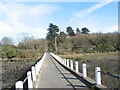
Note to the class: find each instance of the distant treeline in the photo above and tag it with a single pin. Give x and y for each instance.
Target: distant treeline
(28, 47)
(59, 42)
(88, 43)
(80, 42)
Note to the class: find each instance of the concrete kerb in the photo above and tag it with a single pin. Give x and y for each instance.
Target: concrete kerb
(88, 81)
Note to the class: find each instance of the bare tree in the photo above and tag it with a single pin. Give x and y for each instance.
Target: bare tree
(6, 41)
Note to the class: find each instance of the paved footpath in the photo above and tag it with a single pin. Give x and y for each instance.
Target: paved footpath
(53, 75)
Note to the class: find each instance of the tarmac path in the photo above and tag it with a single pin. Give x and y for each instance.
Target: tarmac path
(53, 75)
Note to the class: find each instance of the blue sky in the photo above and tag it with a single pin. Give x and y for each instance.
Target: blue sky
(34, 17)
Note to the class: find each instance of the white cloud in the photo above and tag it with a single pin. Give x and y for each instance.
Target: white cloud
(111, 28)
(5, 27)
(96, 23)
(17, 28)
(11, 23)
(6, 30)
(41, 10)
(16, 10)
(84, 13)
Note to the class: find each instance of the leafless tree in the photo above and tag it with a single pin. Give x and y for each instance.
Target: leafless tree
(6, 41)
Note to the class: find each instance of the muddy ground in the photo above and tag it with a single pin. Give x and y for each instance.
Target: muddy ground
(12, 70)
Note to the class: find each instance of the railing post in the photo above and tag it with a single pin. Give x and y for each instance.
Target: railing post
(30, 85)
(84, 70)
(36, 69)
(19, 85)
(40, 64)
(67, 62)
(42, 60)
(76, 66)
(98, 75)
(33, 73)
(71, 64)
(62, 61)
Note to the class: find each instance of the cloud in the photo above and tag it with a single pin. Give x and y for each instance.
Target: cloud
(5, 27)
(84, 13)
(42, 10)
(17, 28)
(15, 17)
(16, 10)
(111, 28)
(97, 23)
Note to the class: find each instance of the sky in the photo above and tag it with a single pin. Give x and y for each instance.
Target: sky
(34, 18)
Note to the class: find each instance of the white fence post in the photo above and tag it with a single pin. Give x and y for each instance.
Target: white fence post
(36, 69)
(67, 62)
(30, 85)
(98, 75)
(19, 85)
(40, 64)
(33, 73)
(62, 61)
(76, 66)
(71, 64)
(84, 70)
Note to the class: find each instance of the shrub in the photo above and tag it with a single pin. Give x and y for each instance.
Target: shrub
(10, 53)
(89, 51)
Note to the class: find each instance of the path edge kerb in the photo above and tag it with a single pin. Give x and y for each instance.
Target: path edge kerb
(88, 81)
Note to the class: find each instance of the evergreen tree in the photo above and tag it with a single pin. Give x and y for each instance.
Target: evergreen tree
(51, 36)
(85, 30)
(70, 31)
(77, 30)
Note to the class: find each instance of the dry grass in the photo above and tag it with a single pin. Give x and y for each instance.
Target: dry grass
(107, 61)
(71, 56)
(92, 56)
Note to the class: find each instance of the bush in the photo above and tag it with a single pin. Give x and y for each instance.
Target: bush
(106, 48)
(31, 54)
(89, 51)
(10, 53)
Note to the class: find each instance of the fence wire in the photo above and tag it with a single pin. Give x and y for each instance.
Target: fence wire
(25, 80)
(106, 73)
(110, 74)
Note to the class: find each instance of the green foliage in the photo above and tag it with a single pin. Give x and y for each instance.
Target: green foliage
(105, 48)
(85, 30)
(62, 35)
(89, 51)
(11, 53)
(70, 31)
(90, 43)
(52, 33)
(78, 30)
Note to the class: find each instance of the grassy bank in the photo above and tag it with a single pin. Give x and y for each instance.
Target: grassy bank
(107, 61)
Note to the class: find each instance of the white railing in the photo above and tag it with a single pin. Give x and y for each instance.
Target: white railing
(31, 75)
(65, 62)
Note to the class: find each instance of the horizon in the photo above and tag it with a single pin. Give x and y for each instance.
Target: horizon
(34, 17)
